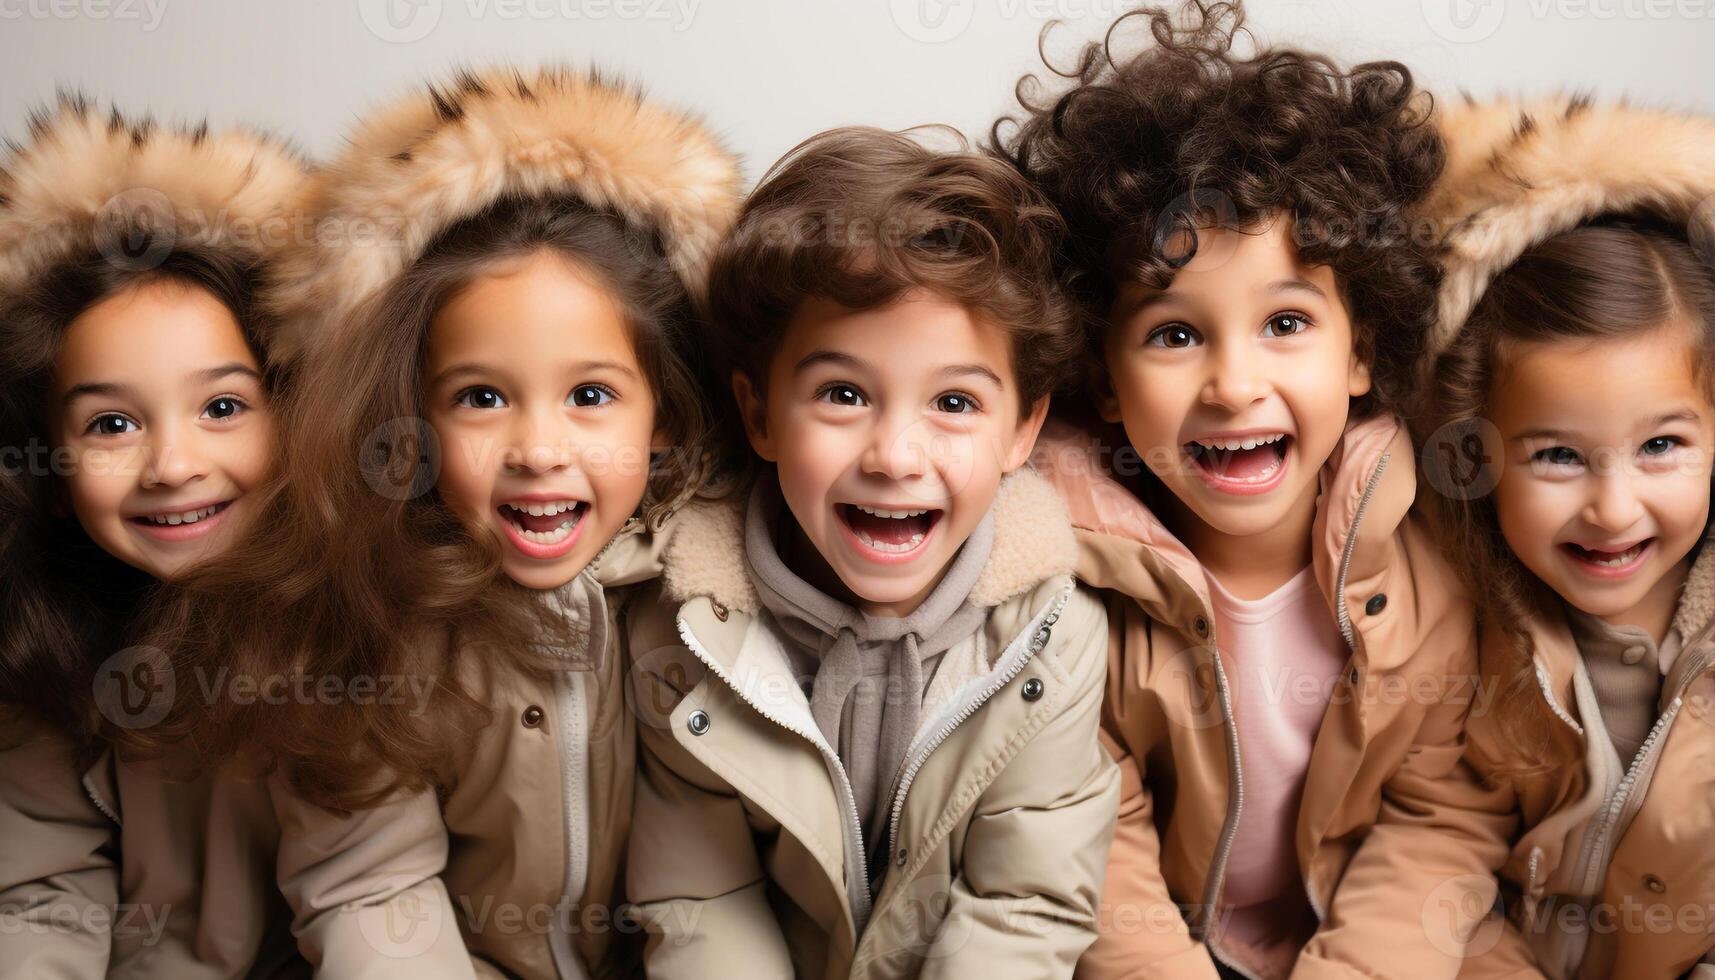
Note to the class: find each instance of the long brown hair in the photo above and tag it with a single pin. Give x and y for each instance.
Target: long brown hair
(357, 568)
(65, 603)
(1604, 280)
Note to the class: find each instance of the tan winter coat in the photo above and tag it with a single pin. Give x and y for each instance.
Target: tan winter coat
(746, 858)
(1396, 839)
(1518, 174)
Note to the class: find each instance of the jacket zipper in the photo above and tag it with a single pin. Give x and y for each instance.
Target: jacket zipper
(1212, 891)
(858, 898)
(100, 804)
(574, 751)
(921, 756)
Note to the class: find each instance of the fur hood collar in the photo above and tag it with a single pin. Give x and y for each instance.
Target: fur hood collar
(1519, 173)
(417, 166)
(1033, 542)
(85, 181)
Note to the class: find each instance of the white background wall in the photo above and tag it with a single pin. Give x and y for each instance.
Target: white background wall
(769, 72)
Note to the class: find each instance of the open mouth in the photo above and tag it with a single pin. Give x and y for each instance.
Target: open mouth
(544, 529)
(178, 525)
(1251, 464)
(1609, 563)
(889, 533)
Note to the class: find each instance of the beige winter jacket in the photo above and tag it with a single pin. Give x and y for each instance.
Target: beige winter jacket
(746, 858)
(1397, 840)
(538, 809)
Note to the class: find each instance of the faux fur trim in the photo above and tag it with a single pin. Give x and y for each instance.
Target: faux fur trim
(416, 167)
(84, 180)
(1033, 542)
(1519, 173)
(1697, 599)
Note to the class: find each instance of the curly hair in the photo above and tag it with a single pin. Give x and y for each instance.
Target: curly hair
(1609, 279)
(862, 216)
(1143, 150)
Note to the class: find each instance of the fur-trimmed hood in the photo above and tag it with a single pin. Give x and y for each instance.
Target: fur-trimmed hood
(86, 181)
(1519, 173)
(1033, 542)
(417, 166)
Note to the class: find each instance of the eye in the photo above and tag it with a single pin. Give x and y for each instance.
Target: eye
(1557, 456)
(592, 396)
(1173, 336)
(1286, 325)
(225, 407)
(955, 404)
(480, 396)
(841, 394)
(1660, 445)
(110, 424)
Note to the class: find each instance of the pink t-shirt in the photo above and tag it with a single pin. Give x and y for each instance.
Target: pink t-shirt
(1282, 655)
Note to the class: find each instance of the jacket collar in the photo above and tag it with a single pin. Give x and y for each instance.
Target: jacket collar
(1365, 491)
(1033, 542)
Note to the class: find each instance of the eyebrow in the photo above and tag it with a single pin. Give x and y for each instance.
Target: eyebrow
(846, 360)
(581, 367)
(1682, 415)
(112, 388)
(1295, 284)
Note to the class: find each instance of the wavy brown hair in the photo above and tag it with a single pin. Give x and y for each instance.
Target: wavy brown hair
(65, 603)
(359, 571)
(1601, 281)
(862, 216)
(1145, 148)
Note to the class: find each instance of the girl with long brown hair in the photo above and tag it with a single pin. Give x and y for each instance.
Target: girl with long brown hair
(1569, 427)
(497, 409)
(135, 414)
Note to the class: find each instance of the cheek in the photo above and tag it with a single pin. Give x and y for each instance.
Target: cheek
(1154, 401)
(463, 481)
(1531, 512)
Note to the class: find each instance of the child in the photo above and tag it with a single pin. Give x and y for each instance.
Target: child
(502, 287)
(1292, 661)
(1576, 346)
(868, 688)
(136, 399)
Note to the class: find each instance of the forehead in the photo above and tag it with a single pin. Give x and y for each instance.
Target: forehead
(1597, 386)
(540, 310)
(917, 334)
(1236, 265)
(156, 330)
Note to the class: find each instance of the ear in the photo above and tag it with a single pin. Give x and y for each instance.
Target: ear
(1024, 440)
(753, 411)
(1357, 376)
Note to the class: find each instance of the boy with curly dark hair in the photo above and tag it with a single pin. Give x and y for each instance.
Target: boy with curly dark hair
(1291, 662)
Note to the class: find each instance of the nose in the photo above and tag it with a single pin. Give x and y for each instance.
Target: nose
(896, 447)
(175, 456)
(1614, 504)
(1236, 378)
(539, 441)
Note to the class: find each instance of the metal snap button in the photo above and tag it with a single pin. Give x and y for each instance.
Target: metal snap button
(1655, 884)
(1377, 603)
(532, 717)
(698, 722)
(1033, 689)
(720, 612)
(1201, 627)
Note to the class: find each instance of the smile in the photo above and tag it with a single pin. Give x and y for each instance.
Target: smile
(1609, 564)
(1242, 465)
(888, 534)
(546, 528)
(180, 525)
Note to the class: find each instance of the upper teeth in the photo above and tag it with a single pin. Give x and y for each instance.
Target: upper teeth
(186, 517)
(897, 515)
(1234, 445)
(548, 509)
(1622, 558)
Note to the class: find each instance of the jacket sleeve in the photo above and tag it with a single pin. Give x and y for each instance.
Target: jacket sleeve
(1422, 882)
(1025, 902)
(693, 873)
(1143, 932)
(365, 889)
(58, 879)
